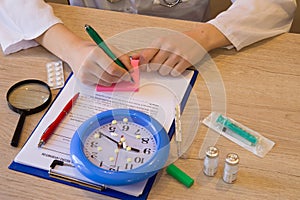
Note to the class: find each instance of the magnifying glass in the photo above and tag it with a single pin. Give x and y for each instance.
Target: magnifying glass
(27, 97)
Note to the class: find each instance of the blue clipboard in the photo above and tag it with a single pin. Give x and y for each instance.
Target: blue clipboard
(107, 191)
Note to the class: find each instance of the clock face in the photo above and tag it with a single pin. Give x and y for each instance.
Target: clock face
(120, 146)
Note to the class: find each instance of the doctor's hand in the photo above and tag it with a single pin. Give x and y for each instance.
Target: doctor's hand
(174, 53)
(92, 66)
(89, 63)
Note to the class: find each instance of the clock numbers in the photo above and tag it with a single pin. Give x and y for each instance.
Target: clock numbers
(120, 145)
(128, 166)
(145, 140)
(137, 132)
(94, 144)
(112, 128)
(147, 151)
(139, 160)
(125, 128)
(94, 155)
(114, 168)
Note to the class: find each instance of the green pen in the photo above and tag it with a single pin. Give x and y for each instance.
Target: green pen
(236, 131)
(99, 41)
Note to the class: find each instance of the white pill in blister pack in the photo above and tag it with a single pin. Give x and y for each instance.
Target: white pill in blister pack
(55, 74)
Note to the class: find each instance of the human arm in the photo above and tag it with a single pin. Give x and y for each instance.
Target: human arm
(89, 62)
(22, 21)
(37, 25)
(244, 23)
(173, 53)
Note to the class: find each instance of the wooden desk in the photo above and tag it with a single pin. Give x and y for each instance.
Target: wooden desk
(262, 85)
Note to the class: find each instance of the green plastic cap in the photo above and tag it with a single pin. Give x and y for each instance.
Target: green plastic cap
(180, 176)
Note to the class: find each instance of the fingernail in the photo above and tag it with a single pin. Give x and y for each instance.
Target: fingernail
(126, 77)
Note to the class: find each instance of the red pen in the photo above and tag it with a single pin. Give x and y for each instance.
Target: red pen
(50, 130)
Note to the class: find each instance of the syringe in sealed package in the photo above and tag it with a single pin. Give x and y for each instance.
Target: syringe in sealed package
(236, 131)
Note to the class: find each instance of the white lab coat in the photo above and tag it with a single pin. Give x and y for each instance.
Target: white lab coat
(245, 22)
(193, 10)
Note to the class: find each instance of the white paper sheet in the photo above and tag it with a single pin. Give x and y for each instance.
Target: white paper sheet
(157, 97)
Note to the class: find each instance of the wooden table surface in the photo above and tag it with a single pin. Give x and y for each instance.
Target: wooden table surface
(262, 85)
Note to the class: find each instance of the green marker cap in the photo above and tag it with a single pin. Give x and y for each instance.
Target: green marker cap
(180, 176)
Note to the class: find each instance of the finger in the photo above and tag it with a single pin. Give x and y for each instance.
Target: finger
(147, 55)
(118, 72)
(107, 77)
(144, 58)
(135, 56)
(158, 60)
(164, 70)
(95, 81)
(107, 69)
(125, 59)
(169, 64)
(180, 67)
(103, 83)
(93, 69)
(91, 79)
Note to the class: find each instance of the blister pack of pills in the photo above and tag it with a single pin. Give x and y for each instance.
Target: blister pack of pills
(55, 74)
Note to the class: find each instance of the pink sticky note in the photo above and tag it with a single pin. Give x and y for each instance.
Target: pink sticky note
(124, 85)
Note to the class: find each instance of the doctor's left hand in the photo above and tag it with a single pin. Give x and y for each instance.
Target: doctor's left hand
(174, 53)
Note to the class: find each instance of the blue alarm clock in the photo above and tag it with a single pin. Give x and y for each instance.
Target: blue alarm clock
(120, 147)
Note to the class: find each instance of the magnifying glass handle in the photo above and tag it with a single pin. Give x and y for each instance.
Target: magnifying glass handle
(15, 140)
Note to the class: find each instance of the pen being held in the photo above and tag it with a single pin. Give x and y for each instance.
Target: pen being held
(51, 128)
(100, 42)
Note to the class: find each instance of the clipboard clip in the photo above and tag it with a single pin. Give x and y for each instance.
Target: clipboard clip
(54, 174)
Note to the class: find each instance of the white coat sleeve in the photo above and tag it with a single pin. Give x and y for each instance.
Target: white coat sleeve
(248, 21)
(22, 21)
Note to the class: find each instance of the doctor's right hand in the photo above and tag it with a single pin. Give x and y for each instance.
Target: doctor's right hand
(89, 62)
(92, 66)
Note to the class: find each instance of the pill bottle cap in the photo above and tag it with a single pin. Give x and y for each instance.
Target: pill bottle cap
(232, 159)
(212, 152)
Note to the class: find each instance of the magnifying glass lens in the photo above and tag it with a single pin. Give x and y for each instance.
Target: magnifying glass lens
(28, 96)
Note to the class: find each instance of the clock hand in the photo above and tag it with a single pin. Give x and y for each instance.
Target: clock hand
(134, 149)
(121, 143)
(125, 146)
(116, 158)
(110, 139)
